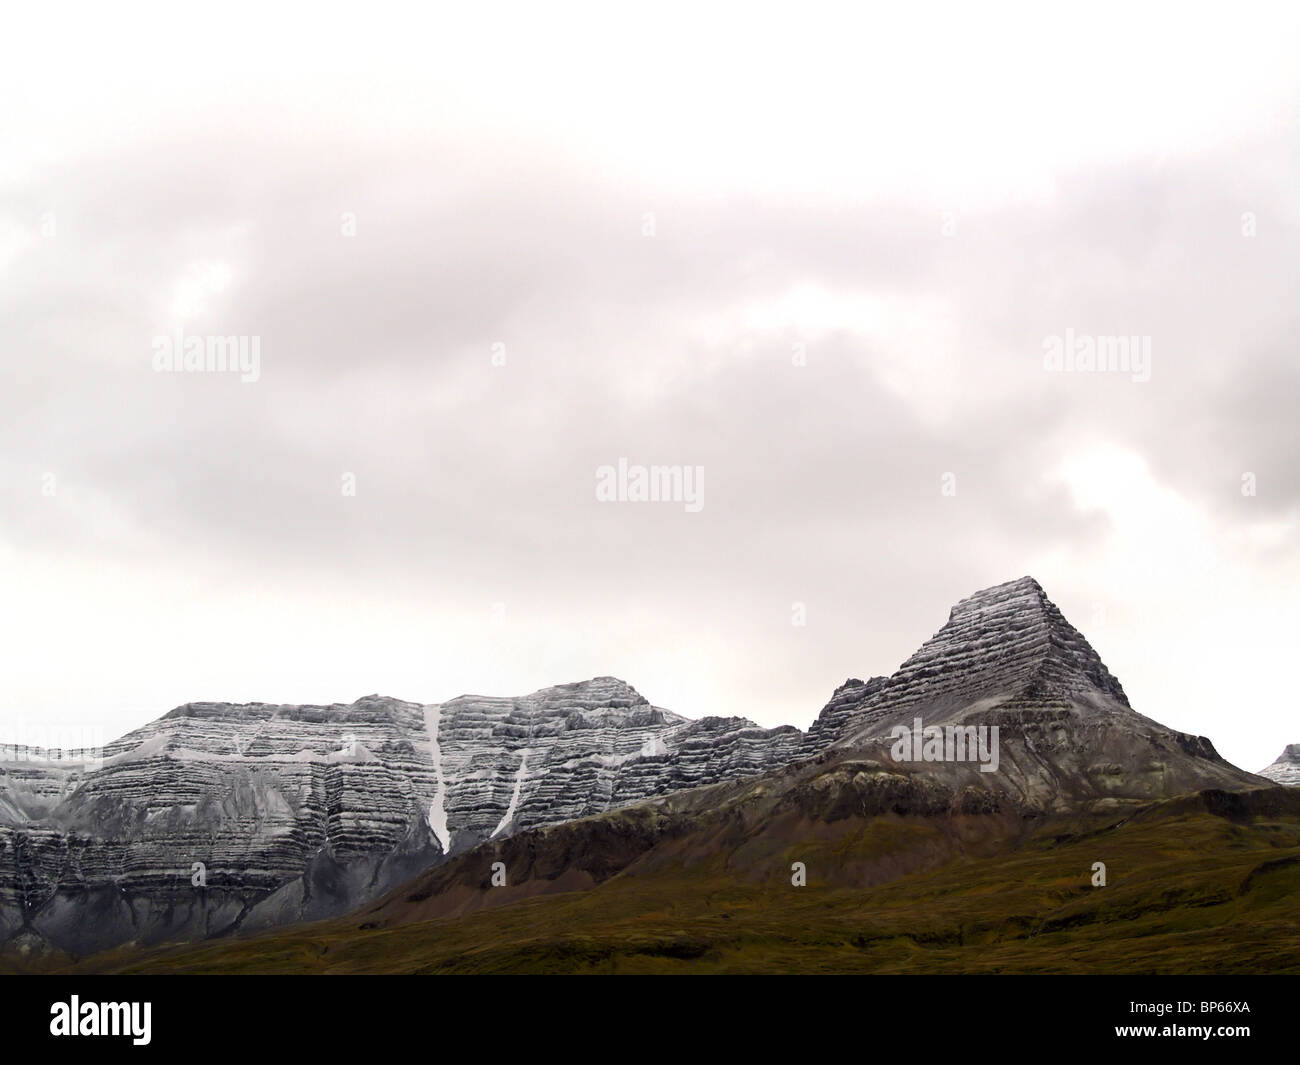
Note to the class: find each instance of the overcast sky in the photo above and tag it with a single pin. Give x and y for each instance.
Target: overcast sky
(819, 255)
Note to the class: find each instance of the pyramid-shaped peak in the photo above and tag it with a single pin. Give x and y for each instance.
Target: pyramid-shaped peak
(1007, 642)
(1021, 626)
(1023, 592)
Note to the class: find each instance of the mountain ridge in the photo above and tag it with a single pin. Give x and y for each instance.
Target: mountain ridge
(222, 817)
(300, 812)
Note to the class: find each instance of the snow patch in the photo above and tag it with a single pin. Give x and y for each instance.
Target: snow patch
(437, 816)
(653, 746)
(351, 751)
(514, 799)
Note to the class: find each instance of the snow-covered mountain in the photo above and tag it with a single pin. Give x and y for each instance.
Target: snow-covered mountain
(1286, 770)
(1068, 745)
(219, 816)
(1007, 658)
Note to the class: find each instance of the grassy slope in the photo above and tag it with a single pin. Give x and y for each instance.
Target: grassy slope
(1188, 892)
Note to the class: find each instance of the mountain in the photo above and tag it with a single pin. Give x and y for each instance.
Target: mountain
(303, 812)
(1068, 746)
(845, 706)
(1286, 770)
(219, 817)
(1007, 658)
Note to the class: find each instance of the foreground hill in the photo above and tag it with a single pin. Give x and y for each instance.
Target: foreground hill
(1201, 884)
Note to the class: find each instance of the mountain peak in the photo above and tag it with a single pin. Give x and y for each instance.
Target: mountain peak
(1017, 633)
(598, 692)
(1286, 770)
(1005, 642)
(1007, 658)
(1022, 589)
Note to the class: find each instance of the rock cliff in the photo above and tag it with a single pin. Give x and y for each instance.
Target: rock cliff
(217, 817)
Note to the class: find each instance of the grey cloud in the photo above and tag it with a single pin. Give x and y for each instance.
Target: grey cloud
(822, 483)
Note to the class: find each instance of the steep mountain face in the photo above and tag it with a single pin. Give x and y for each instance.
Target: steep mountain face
(845, 706)
(1007, 658)
(219, 817)
(1286, 770)
(578, 749)
(1004, 642)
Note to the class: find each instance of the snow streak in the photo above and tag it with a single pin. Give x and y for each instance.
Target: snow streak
(437, 816)
(514, 799)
